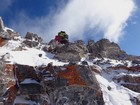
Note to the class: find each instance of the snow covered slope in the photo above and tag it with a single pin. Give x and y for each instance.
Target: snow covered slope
(27, 56)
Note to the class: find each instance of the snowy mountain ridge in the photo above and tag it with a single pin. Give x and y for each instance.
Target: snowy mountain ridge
(75, 70)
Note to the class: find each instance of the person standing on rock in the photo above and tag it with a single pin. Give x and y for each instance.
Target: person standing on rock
(62, 37)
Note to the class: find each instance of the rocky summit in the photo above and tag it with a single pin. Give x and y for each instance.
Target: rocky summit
(33, 72)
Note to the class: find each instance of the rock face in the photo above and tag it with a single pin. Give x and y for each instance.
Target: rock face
(70, 84)
(72, 51)
(105, 48)
(32, 40)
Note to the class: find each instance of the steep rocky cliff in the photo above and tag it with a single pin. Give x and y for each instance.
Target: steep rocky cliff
(36, 73)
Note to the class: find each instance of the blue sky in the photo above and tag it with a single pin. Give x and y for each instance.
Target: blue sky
(47, 17)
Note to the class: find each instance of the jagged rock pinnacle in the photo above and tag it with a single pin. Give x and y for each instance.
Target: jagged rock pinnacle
(1, 25)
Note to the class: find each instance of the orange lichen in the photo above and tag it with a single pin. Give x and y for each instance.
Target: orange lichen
(72, 76)
(9, 67)
(12, 94)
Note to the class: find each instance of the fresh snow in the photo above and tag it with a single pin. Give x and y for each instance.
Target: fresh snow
(29, 56)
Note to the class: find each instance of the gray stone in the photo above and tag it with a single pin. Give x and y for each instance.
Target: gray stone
(90, 46)
(32, 40)
(76, 95)
(33, 37)
(74, 56)
(71, 52)
(105, 48)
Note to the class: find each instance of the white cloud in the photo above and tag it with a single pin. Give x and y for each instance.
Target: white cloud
(78, 16)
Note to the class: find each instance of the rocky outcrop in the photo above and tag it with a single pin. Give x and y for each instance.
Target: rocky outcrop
(69, 84)
(90, 46)
(6, 33)
(105, 48)
(33, 37)
(102, 49)
(72, 51)
(32, 40)
(129, 81)
(1, 25)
